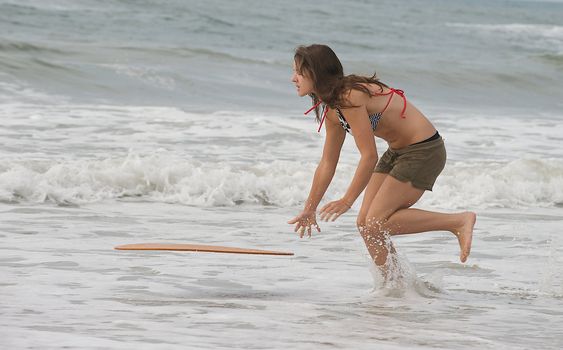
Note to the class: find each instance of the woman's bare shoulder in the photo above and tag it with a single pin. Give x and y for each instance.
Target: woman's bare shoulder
(355, 97)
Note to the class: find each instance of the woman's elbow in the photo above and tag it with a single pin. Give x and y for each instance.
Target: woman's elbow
(370, 157)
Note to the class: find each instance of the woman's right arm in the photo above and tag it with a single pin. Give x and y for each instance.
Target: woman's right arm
(335, 136)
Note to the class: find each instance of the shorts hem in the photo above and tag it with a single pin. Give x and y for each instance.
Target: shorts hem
(414, 184)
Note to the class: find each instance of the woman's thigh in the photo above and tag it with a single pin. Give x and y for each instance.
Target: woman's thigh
(391, 196)
(372, 188)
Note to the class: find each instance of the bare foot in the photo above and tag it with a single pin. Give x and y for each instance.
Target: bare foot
(464, 234)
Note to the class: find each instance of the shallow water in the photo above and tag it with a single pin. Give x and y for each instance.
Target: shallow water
(64, 285)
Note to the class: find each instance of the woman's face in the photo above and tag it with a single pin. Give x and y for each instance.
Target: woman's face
(302, 82)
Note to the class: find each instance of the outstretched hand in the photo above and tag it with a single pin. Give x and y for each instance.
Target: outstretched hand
(304, 221)
(333, 210)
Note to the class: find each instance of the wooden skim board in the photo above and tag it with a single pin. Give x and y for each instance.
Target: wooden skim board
(197, 248)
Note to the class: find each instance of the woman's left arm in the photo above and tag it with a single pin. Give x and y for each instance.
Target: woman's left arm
(358, 119)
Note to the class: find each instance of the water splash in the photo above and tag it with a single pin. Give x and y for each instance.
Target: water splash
(398, 279)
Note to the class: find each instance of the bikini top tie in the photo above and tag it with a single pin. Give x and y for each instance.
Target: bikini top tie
(392, 91)
(324, 113)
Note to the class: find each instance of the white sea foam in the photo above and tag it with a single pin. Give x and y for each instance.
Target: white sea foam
(543, 36)
(155, 177)
(536, 30)
(167, 178)
(78, 154)
(22, 92)
(146, 75)
(516, 184)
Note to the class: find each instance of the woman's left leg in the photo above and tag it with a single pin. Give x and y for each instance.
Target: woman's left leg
(388, 214)
(407, 221)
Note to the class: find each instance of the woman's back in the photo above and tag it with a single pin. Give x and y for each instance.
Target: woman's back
(400, 123)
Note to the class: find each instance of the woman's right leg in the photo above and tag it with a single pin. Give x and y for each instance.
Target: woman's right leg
(370, 192)
(376, 244)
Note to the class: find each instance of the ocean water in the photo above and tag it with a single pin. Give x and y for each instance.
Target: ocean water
(176, 121)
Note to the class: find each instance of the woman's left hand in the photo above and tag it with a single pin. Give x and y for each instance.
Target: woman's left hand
(333, 210)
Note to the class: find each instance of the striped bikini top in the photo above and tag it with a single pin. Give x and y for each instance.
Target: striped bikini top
(373, 118)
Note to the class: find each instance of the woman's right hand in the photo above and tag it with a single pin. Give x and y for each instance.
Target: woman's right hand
(304, 221)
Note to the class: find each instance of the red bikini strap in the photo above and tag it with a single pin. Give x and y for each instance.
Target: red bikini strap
(402, 94)
(315, 106)
(324, 114)
(391, 92)
(323, 119)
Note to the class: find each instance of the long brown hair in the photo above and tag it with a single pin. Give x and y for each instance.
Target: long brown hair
(321, 64)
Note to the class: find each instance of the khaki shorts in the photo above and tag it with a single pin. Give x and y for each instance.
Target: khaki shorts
(419, 164)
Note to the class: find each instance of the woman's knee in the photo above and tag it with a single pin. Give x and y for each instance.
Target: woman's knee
(374, 235)
(361, 221)
(375, 223)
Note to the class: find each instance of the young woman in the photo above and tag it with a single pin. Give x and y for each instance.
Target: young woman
(365, 107)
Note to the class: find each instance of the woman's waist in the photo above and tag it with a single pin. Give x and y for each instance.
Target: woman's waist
(399, 141)
(428, 143)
